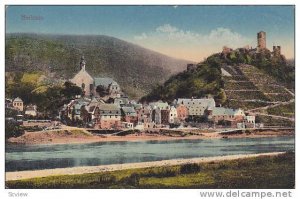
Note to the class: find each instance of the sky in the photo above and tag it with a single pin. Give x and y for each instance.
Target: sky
(185, 32)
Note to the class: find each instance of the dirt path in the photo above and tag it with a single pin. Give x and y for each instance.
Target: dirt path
(18, 175)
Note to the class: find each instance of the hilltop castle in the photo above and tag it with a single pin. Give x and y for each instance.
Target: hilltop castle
(262, 44)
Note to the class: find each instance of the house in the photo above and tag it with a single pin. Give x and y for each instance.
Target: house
(157, 109)
(250, 121)
(127, 125)
(228, 116)
(129, 115)
(165, 116)
(18, 104)
(197, 107)
(8, 103)
(159, 104)
(73, 109)
(110, 117)
(182, 112)
(156, 115)
(31, 110)
(109, 84)
(121, 101)
(173, 115)
(93, 109)
(144, 114)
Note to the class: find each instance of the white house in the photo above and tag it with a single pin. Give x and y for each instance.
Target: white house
(31, 110)
(173, 115)
(197, 106)
(18, 104)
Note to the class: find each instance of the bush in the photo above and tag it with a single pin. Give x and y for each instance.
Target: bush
(12, 129)
(161, 173)
(133, 180)
(106, 179)
(190, 168)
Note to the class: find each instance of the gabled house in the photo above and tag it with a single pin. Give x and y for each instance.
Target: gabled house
(197, 107)
(31, 110)
(144, 114)
(110, 117)
(182, 112)
(112, 87)
(129, 115)
(227, 115)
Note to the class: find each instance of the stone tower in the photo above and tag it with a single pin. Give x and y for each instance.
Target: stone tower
(261, 40)
(276, 50)
(82, 63)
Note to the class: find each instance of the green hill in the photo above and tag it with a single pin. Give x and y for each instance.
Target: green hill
(253, 80)
(58, 56)
(205, 78)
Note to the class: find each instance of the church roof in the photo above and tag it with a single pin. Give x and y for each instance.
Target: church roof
(82, 74)
(104, 81)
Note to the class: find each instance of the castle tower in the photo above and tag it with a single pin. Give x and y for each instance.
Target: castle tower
(261, 40)
(276, 50)
(82, 63)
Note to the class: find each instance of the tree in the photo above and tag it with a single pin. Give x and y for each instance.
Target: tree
(84, 114)
(70, 90)
(102, 91)
(12, 129)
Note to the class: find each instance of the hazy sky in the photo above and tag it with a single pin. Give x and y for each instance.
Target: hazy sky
(188, 32)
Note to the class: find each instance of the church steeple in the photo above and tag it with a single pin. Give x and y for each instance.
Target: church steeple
(82, 63)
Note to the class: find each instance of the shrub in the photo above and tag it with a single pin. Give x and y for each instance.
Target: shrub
(190, 168)
(12, 129)
(107, 179)
(161, 173)
(133, 180)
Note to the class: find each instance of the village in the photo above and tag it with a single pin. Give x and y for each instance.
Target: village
(104, 106)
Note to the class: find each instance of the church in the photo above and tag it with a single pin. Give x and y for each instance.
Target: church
(89, 84)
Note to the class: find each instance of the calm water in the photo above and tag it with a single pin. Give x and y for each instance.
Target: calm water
(60, 156)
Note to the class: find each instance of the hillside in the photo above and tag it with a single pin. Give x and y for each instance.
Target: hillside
(58, 56)
(203, 79)
(260, 83)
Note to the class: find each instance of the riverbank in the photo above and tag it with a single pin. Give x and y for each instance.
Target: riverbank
(17, 175)
(74, 136)
(267, 170)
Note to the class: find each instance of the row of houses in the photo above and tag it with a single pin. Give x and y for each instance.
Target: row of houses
(123, 112)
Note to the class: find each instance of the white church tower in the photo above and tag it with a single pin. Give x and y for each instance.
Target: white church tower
(82, 63)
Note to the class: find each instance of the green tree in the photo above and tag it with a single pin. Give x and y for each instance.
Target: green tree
(102, 91)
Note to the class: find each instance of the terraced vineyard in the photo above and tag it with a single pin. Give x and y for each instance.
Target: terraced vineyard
(248, 87)
(251, 89)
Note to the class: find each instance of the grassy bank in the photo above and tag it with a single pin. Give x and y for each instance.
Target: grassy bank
(260, 172)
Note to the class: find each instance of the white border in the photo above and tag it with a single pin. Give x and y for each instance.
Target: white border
(167, 193)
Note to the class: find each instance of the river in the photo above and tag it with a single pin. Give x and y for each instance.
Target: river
(33, 157)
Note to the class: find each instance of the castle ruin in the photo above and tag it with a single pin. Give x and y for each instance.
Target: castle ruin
(261, 41)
